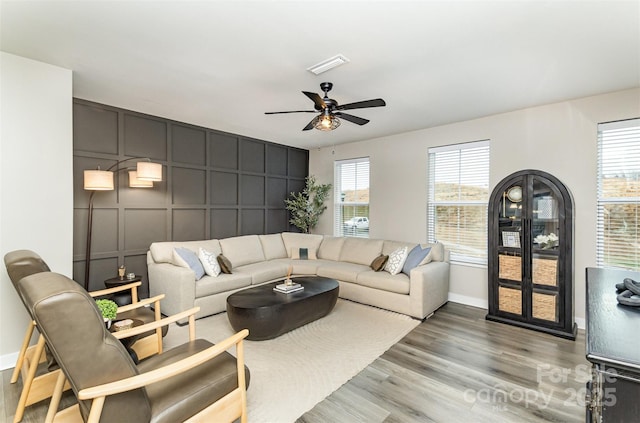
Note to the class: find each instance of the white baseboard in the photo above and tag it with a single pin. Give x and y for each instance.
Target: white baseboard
(582, 323)
(8, 361)
(470, 301)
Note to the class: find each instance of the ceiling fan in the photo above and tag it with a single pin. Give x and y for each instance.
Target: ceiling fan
(331, 111)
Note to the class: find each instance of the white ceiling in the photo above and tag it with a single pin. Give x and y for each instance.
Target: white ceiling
(222, 64)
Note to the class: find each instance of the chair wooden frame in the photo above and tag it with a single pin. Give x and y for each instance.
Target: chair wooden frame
(37, 388)
(227, 409)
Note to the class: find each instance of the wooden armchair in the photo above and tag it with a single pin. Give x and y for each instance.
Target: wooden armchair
(22, 263)
(196, 381)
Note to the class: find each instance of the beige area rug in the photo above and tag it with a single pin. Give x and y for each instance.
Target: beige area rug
(292, 373)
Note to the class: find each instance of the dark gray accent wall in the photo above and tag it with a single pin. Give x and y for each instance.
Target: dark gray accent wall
(215, 185)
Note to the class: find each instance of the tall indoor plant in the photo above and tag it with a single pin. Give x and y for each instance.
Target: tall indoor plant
(307, 206)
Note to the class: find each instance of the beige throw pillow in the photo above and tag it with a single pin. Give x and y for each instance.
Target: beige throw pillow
(396, 260)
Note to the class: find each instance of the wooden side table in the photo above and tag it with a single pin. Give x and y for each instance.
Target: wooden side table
(121, 298)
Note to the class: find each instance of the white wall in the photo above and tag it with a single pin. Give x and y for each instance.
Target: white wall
(36, 185)
(557, 138)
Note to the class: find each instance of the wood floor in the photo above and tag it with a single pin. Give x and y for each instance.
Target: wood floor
(458, 367)
(454, 367)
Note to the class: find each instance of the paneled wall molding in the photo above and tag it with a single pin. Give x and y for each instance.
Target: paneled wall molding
(215, 185)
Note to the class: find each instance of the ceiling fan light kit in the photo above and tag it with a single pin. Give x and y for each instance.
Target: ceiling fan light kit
(325, 123)
(331, 111)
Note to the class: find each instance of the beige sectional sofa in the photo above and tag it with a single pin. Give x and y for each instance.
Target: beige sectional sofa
(259, 259)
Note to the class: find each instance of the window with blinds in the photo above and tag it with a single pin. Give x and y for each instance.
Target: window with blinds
(617, 242)
(458, 193)
(351, 184)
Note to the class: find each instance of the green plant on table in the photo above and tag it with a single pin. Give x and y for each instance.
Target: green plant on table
(108, 308)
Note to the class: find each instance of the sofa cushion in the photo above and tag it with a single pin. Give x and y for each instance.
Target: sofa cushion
(390, 246)
(264, 271)
(295, 240)
(361, 250)
(273, 246)
(396, 260)
(209, 285)
(184, 257)
(304, 267)
(347, 272)
(209, 262)
(241, 250)
(414, 258)
(399, 283)
(225, 264)
(378, 263)
(331, 247)
(162, 252)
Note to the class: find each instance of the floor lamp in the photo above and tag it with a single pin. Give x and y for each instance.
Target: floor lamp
(144, 176)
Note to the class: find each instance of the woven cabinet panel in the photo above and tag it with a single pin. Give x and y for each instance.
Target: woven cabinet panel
(545, 271)
(510, 300)
(510, 267)
(544, 307)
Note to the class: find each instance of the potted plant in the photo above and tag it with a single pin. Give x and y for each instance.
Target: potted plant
(109, 310)
(307, 206)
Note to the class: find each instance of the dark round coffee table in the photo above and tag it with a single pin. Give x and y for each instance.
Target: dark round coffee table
(268, 314)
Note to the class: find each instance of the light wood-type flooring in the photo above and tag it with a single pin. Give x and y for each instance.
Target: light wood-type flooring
(454, 367)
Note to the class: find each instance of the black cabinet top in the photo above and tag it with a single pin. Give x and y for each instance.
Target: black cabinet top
(613, 330)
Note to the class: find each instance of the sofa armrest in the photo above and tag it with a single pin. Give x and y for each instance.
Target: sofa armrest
(177, 283)
(429, 288)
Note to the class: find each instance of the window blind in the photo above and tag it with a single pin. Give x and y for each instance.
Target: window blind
(351, 184)
(618, 184)
(458, 193)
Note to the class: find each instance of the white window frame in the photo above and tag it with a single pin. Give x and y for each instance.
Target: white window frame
(457, 175)
(338, 219)
(621, 140)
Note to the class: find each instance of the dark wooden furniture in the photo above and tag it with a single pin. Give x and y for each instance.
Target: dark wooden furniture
(121, 298)
(531, 282)
(268, 314)
(613, 348)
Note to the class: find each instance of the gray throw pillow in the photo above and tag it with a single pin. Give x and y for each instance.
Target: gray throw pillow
(414, 258)
(192, 261)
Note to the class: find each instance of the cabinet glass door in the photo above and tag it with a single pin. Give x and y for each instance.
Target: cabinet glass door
(510, 250)
(545, 239)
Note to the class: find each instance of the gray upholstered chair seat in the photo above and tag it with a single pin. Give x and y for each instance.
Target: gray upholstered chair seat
(174, 400)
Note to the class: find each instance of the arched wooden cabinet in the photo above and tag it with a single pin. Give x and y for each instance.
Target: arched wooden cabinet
(531, 253)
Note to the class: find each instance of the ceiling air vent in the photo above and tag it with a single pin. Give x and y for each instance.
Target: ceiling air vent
(330, 63)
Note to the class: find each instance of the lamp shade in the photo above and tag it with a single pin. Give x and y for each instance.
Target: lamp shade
(326, 122)
(135, 182)
(98, 180)
(148, 171)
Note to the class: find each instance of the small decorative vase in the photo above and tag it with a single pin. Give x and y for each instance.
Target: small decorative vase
(107, 323)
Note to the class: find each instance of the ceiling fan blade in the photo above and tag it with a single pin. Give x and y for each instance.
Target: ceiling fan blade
(309, 125)
(291, 111)
(352, 118)
(317, 100)
(378, 102)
